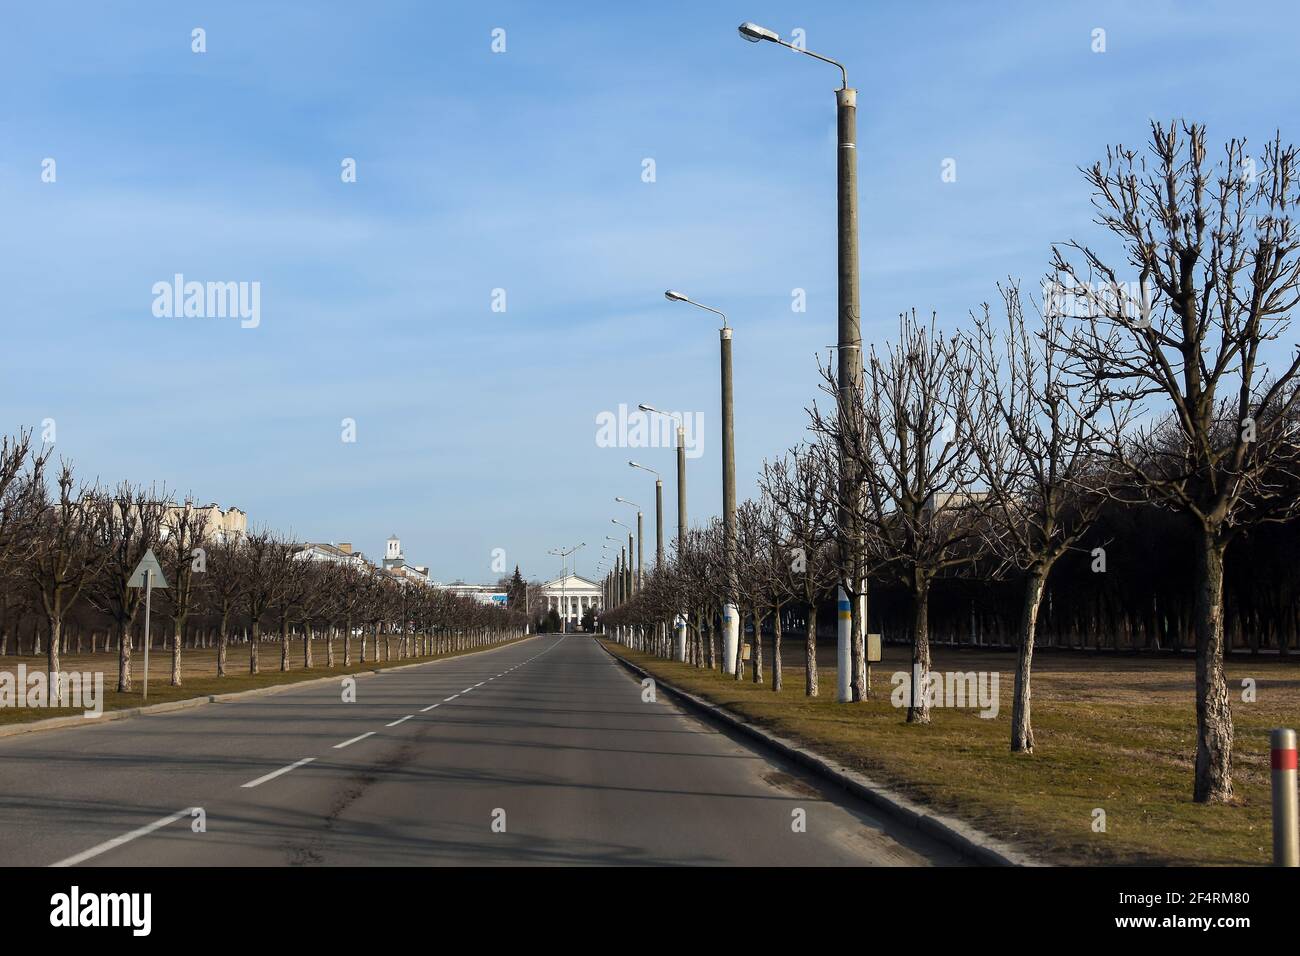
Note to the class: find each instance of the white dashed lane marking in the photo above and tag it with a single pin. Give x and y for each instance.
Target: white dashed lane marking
(275, 773)
(125, 838)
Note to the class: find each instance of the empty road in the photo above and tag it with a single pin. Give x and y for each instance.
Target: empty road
(540, 752)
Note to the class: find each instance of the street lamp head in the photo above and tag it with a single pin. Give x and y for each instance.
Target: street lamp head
(754, 33)
(674, 296)
(632, 464)
(620, 499)
(647, 408)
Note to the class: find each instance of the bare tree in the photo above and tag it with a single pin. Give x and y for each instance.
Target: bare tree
(262, 571)
(183, 557)
(753, 579)
(294, 586)
(915, 456)
(223, 589)
(1217, 261)
(128, 523)
(65, 557)
(22, 506)
(802, 487)
(20, 502)
(350, 594)
(1038, 440)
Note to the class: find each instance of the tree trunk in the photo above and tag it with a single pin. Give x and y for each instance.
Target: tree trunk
(284, 643)
(1022, 731)
(255, 639)
(52, 655)
(776, 648)
(178, 633)
(810, 651)
(858, 652)
(706, 624)
(329, 645)
(347, 643)
(306, 645)
(756, 649)
(222, 638)
(1213, 711)
(918, 711)
(124, 658)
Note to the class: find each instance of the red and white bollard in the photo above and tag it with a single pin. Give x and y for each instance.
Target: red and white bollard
(1286, 835)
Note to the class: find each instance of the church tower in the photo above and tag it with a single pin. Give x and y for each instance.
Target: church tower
(393, 557)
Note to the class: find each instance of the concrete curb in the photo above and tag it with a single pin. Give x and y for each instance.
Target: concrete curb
(73, 720)
(961, 836)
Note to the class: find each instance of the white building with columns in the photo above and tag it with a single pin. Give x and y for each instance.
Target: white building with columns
(574, 593)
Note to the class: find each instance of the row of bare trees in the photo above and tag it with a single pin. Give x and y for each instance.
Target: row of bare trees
(68, 551)
(1156, 375)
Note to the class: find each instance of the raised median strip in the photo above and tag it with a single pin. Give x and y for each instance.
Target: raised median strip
(78, 720)
(956, 833)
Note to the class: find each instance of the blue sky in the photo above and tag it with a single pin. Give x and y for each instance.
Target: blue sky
(523, 171)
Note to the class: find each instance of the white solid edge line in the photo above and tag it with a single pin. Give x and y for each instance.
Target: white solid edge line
(275, 773)
(399, 720)
(430, 707)
(124, 838)
(467, 690)
(451, 698)
(368, 733)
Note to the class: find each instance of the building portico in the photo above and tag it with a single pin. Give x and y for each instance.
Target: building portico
(570, 596)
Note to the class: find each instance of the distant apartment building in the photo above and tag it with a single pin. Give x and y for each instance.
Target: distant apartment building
(393, 563)
(483, 593)
(220, 526)
(340, 553)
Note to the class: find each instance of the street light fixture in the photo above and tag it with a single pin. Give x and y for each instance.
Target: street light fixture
(627, 565)
(563, 554)
(730, 613)
(659, 512)
(754, 33)
(852, 670)
(681, 471)
(640, 538)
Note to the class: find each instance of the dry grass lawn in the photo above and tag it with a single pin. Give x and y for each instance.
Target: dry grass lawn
(198, 673)
(1111, 732)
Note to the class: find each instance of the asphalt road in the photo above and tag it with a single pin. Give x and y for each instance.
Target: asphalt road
(540, 752)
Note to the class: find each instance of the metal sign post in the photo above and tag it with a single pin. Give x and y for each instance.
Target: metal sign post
(148, 600)
(143, 577)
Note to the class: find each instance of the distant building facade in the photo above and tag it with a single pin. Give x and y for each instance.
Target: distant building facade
(341, 553)
(570, 596)
(483, 593)
(220, 526)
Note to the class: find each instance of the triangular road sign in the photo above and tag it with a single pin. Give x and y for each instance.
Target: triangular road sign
(147, 563)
